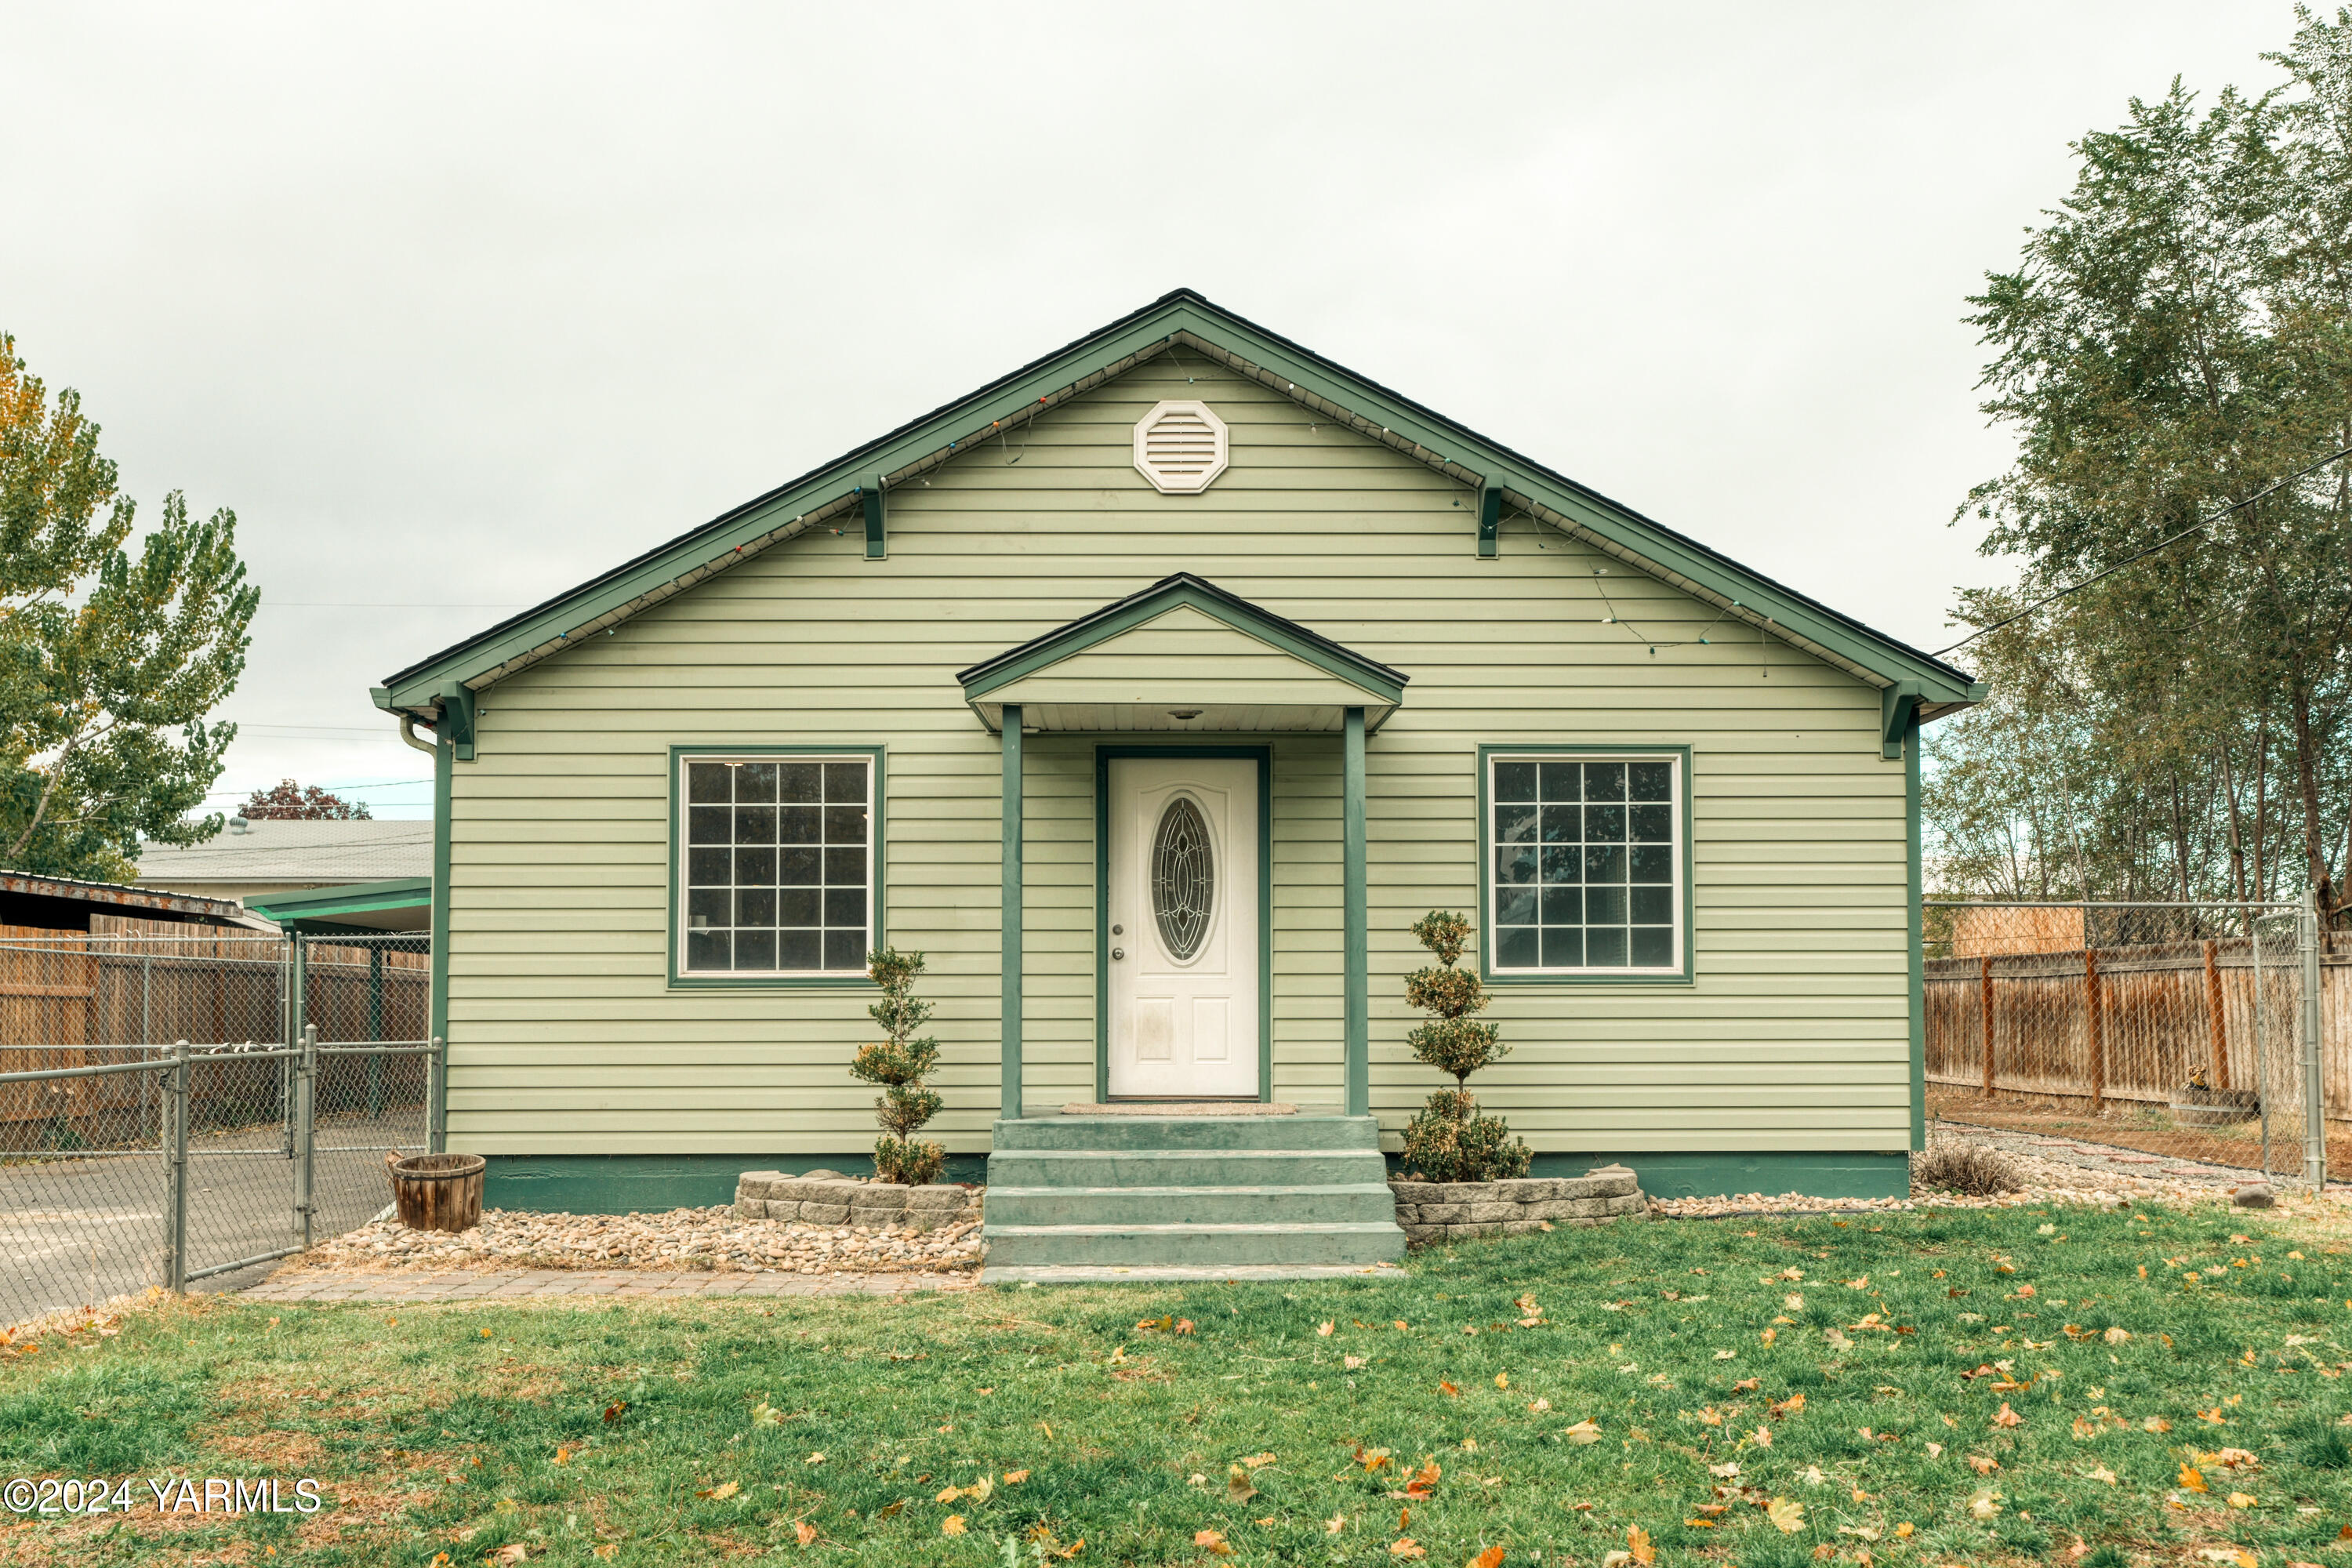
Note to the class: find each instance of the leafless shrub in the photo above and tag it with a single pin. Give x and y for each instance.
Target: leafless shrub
(1968, 1168)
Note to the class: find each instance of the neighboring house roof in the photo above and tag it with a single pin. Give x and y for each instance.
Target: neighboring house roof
(44, 901)
(855, 488)
(281, 849)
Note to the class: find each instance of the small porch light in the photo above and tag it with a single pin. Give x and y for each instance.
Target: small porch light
(1183, 712)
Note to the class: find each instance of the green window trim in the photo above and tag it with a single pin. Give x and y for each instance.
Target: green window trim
(1683, 969)
(877, 791)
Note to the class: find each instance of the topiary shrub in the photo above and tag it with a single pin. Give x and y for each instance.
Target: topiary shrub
(1449, 1141)
(898, 1064)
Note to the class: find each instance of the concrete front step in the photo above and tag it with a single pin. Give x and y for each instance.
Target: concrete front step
(1218, 1194)
(1183, 1167)
(1173, 1132)
(1351, 1202)
(1176, 1245)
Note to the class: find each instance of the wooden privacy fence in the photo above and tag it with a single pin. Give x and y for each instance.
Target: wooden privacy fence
(2136, 1022)
(68, 1000)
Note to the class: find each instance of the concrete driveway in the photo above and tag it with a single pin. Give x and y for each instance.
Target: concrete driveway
(80, 1229)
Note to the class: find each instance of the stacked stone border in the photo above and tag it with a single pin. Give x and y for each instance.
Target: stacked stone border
(1435, 1213)
(853, 1201)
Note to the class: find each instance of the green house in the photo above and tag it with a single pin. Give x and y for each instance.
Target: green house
(1153, 691)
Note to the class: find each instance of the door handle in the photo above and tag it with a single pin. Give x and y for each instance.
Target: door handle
(1119, 952)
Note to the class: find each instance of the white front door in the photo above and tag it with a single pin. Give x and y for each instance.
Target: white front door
(1182, 928)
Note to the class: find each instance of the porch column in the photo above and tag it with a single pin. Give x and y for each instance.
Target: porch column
(1009, 1018)
(1355, 933)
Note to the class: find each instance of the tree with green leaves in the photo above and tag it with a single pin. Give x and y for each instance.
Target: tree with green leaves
(109, 660)
(1449, 1141)
(2174, 345)
(898, 1064)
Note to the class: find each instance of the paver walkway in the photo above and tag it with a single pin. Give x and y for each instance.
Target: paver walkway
(538, 1284)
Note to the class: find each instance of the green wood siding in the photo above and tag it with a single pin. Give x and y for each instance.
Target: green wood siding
(567, 1037)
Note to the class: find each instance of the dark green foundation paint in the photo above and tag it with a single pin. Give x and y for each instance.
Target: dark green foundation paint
(1710, 1175)
(633, 1183)
(650, 1183)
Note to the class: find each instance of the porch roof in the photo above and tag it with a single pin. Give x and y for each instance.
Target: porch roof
(1182, 656)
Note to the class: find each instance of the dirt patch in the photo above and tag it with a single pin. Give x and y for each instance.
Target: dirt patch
(285, 1452)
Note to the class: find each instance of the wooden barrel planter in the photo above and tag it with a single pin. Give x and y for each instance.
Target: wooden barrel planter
(2195, 1107)
(436, 1192)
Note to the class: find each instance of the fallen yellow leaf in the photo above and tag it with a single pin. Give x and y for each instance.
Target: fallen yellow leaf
(1787, 1514)
(2191, 1481)
(952, 1525)
(1408, 1547)
(1014, 1477)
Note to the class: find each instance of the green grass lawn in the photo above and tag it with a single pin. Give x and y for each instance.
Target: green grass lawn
(1828, 1360)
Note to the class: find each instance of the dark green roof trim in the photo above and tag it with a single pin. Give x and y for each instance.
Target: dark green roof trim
(349, 898)
(836, 487)
(1367, 674)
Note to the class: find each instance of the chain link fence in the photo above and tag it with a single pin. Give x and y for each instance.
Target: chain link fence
(2205, 1032)
(178, 1107)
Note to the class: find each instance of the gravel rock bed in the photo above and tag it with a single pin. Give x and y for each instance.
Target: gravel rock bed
(694, 1238)
(2066, 1174)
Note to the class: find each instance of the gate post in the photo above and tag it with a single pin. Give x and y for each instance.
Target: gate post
(436, 1096)
(2315, 1078)
(305, 1126)
(176, 1101)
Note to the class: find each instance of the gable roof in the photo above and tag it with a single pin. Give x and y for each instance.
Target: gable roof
(844, 486)
(1309, 683)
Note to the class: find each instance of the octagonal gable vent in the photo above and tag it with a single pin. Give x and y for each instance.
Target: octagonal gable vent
(1179, 447)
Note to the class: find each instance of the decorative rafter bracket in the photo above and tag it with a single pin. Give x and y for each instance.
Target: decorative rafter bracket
(869, 496)
(1490, 518)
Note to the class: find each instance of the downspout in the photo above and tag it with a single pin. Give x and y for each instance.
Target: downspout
(438, 1027)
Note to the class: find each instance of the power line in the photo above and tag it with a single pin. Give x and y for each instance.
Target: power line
(2199, 527)
(372, 784)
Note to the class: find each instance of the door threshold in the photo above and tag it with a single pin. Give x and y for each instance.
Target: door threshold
(1180, 1107)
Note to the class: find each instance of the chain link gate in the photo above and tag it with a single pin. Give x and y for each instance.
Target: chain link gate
(175, 1108)
(2206, 1032)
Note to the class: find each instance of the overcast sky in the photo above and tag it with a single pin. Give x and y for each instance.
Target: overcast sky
(459, 306)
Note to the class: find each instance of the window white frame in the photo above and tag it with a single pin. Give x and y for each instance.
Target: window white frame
(802, 854)
(1508, 873)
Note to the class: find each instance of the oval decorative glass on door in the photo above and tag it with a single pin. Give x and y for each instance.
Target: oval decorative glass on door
(1183, 878)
